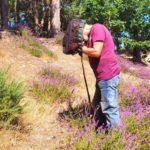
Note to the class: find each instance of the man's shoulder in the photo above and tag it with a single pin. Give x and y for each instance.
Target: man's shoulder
(98, 27)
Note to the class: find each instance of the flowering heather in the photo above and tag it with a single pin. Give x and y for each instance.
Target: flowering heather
(133, 93)
(55, 72)
(133, 131)
(51, 86)
(126, 66)
(132, 134)
(144, 74)
(138, 70)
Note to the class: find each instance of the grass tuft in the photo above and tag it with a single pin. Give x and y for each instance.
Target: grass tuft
(34, 46)
(59, 39)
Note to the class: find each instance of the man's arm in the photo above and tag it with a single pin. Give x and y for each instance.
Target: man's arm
(95, 51)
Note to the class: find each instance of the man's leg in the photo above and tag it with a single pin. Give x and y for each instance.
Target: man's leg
(99, 117)
(109, 101)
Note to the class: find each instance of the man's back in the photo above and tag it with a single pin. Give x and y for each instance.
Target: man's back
(106, 66)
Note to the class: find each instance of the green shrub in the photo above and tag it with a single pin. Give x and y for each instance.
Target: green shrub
(11, 93)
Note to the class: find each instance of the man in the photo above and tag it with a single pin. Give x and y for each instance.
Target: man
(100, 49)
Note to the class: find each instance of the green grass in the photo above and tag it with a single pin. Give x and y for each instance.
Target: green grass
(33, 46)
(11, 93)
(35, 52)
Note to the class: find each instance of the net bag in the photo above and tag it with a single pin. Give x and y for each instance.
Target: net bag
(73, 38)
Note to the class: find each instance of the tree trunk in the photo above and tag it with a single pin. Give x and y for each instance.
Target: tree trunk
(35, 13)
(136, 50)
(43, 14)
(55, 9)
(136, 55)
(117, 43)
(4, 10)
(49, 18)
(0, 14)
(16, 9)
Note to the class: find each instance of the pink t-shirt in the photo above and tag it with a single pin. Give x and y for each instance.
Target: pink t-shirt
(106, 66)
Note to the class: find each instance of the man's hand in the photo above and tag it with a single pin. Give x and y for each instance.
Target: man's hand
(80, 50)
(95, 51)
(84, 48)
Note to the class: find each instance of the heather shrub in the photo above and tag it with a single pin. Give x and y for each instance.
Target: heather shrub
(132, 134)
(138, 70)
(11, 93)
(77, 116)
(134, 92)
(82, 131)
(86, 138)
(51, 85)
(126, 66)
(133, 131)
(144, 74)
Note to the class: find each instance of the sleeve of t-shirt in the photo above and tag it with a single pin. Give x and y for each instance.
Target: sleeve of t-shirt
(98, 33)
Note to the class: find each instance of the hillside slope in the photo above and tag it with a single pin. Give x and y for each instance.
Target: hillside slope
(44, 129)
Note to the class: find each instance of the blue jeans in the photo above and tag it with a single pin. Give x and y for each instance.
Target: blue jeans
(105, 103)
